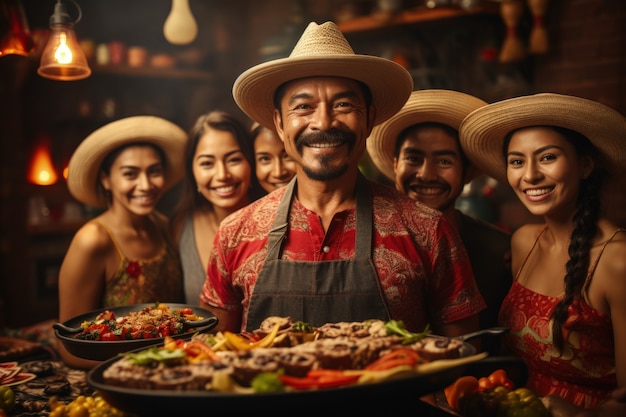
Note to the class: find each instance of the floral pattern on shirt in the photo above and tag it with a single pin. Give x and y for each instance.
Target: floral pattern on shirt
(424, 270)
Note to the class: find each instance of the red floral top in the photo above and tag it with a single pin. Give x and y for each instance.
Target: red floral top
(424, 270)
(584, 373)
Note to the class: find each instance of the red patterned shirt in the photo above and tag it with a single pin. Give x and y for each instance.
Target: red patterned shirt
(422, 265)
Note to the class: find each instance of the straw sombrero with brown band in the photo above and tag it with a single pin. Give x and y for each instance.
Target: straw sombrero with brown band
(84, 166)
(322, 51)
(483, 131)
(439, 106)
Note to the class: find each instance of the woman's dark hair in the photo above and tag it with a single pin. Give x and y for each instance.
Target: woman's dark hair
(585, 228)
(108, 160)
(190, 198)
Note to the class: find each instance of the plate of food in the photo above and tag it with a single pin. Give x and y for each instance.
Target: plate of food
(284, 365)
(11, 374)
(102, 334)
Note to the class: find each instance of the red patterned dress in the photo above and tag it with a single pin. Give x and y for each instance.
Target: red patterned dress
(584, 373)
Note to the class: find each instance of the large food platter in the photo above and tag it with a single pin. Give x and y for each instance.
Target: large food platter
(381, 395)
(101, 350)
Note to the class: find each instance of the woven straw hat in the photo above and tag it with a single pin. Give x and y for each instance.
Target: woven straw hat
(439, 106)
(482, 133)
(322, 51)
(84, 166)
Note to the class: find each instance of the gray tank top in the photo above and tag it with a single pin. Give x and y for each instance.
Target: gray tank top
(193, 271)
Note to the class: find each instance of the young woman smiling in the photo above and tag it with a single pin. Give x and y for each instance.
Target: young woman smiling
(220, 179)
(274, 167)
(125, 255)
(566, 309)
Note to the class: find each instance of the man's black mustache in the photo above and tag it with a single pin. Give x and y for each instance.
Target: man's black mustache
(326, 136)
(430, 184)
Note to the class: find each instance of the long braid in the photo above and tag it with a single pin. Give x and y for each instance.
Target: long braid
(577, 267)
(585, 228)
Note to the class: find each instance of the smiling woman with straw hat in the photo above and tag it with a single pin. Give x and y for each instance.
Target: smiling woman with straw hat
(332, 246)
(123, 256)
(567, 306)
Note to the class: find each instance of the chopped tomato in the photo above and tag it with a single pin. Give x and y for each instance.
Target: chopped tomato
(500, 377)
(109, 337)
(106, 315)
(484, 384)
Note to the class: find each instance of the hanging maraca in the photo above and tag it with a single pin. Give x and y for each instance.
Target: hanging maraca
(513, 49)
(538, 42)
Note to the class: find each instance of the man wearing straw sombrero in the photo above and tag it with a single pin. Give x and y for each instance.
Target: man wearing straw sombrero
(418, 149)
(332, 246)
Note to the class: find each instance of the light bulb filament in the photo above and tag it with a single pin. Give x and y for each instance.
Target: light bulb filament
(63, 54)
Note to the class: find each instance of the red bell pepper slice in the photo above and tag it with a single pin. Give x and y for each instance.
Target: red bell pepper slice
(397, 357)
(320, 378)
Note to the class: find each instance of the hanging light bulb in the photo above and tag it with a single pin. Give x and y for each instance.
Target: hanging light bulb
(180, 27)
(62, 58)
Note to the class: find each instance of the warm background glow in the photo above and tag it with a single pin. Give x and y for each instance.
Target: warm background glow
(41, 170)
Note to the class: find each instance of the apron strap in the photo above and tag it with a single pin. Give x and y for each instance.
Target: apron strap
(364, 218)
(278, 232)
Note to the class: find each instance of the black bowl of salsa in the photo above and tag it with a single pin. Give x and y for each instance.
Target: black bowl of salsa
(73, 336)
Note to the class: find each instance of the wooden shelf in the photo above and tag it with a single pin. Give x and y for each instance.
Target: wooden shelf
(415, 15)
(155, 72)
(55, 227)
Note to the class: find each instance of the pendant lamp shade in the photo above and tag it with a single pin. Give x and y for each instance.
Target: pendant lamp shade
(62, 58)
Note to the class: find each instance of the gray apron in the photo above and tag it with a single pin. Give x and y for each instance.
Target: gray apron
(319, 292)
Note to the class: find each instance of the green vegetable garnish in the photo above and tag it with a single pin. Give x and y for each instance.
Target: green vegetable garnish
(397, 327)
(301, 326)
(155, 354)
(267, 382)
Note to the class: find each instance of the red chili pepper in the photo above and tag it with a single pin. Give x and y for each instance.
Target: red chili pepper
(394, 358)
(250, 336)
(196, 348)
(326, 373)
(319, 378)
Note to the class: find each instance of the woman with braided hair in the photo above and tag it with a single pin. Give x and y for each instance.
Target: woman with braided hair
(566, 309)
